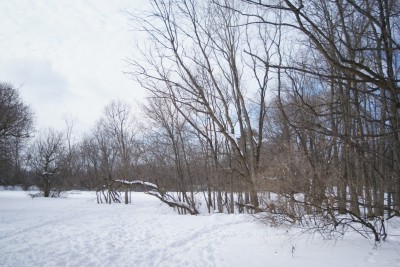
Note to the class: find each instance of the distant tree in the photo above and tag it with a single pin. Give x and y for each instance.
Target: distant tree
(16, 124)
(73, 160)
(46, 160)
(106, 152)
(119, 126)
(89, 156)
(173, 131)
(16, 118)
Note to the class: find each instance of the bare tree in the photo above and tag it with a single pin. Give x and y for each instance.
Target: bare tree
(16, 119)
(16, 124)
(168, 122)
(119, 125)
(340, 97)
(73, 162)
(89, 157)
(106, 151)
(196, 61)
(46, 160)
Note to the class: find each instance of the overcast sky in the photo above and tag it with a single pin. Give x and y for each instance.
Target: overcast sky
(67, 56)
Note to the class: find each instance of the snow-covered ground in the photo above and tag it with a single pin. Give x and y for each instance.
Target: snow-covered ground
(76, 231)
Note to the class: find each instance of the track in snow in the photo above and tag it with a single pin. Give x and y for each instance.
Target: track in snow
(76, 231)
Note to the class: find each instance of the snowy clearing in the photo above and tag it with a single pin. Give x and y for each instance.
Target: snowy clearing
(76, 231)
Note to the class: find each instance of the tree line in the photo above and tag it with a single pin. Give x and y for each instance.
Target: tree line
(287, 107)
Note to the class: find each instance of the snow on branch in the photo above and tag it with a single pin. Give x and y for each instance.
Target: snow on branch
(154, 190)
(167, 199)
(147, 184)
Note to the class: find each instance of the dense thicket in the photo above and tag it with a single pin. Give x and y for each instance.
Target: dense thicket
(340, 104)
(327, 141)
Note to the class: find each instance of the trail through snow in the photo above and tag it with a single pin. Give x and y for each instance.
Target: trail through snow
(76, 231)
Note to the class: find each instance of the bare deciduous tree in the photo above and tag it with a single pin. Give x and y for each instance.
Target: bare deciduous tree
(46, 160)
(196, 60)
(340, 99)
(16, 124)
(119, 125)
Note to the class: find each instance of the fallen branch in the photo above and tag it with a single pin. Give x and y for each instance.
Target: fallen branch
(153, 190)
(167, 199)
(138, 182)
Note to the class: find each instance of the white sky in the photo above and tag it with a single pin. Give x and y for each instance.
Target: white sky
(67, 56)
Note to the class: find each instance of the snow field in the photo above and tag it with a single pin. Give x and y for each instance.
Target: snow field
(76, 231)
